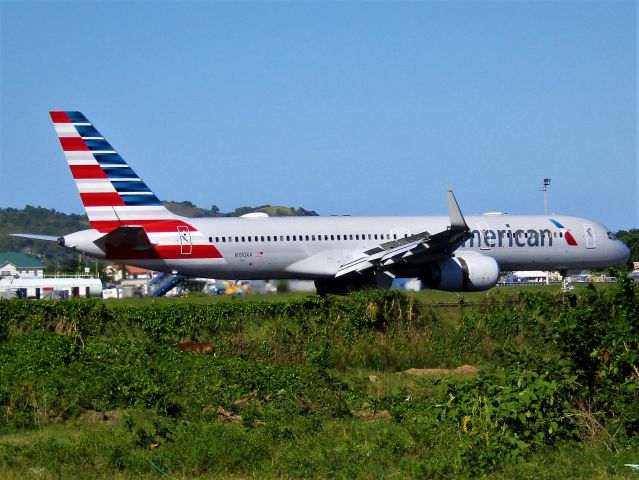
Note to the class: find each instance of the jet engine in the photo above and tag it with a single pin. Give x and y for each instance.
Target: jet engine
(463, 273)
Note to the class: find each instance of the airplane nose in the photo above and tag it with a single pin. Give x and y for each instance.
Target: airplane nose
(624, 252)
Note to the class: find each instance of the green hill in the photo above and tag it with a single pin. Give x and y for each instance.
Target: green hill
(187, 209)
(39, 220)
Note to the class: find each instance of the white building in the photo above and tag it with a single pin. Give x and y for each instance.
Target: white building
(50, 288)
(15, 263)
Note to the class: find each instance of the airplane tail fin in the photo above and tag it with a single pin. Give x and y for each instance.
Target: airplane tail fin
(112, 193)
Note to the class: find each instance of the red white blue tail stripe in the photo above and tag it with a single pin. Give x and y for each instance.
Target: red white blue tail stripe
(112, 193)
(114, 196)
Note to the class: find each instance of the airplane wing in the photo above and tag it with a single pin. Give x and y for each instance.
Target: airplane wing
(419, 248)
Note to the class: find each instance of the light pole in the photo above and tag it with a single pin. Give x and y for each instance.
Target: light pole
(545, 190)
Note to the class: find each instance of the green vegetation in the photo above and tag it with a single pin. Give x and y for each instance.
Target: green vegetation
(309, 387)
(631, 239)
(188, 209)
(38, 220)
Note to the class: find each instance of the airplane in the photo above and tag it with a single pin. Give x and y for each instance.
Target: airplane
(339, 253)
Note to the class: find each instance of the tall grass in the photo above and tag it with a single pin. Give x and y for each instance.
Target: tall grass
(310, 387)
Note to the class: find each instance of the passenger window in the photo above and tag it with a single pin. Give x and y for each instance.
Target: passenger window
(370, 236)
(357, 237)
(288, 239)
(268, 238)
(313, 237)
(338, 237)
(275, 238)
(243, 239)
(237, 239)
(332, 237)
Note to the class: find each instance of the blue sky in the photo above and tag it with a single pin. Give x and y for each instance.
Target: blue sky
(360, 108)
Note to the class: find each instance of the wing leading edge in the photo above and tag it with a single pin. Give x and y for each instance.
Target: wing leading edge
(419, 248)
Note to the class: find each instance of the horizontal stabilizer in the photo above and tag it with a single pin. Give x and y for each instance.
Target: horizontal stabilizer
(35, 236)
(134, 238)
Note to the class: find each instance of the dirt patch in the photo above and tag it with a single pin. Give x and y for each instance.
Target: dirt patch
(463, 371)
(91, 416)
(368, 415)
(227, 417)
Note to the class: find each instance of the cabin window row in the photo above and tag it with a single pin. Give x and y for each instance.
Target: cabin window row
(304, 238)
(524, 234)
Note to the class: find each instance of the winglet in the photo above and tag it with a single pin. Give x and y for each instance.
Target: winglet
(457, 221)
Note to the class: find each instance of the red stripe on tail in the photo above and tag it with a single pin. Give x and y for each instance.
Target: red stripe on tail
(73, 144)
(102, 199)
(87, 171)
(60, 117)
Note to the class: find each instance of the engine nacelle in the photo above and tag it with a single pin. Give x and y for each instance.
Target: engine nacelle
(466, 273)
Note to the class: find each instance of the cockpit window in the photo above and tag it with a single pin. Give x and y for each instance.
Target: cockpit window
(612, 236)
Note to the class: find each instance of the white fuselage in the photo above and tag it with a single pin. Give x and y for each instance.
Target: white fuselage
(316, 247)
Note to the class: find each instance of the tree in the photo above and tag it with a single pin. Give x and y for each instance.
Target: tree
(631, 239)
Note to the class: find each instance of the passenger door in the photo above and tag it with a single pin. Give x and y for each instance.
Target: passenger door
(591, 239)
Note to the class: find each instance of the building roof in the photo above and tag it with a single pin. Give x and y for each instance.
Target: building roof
(20, 260)
(130, 269)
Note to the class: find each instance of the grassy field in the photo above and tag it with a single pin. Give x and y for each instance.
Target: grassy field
(428, 297)
(302, 387)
